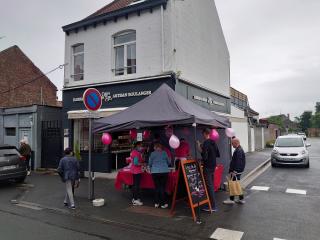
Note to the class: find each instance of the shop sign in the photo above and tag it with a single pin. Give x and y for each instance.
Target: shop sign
(208, 100)
(107, 96)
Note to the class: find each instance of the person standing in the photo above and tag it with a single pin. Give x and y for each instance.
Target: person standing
(182, 152)
(136, 169)
(237, 166)
(69, 172)
(25, 151)
(159, 164)
(209, 152)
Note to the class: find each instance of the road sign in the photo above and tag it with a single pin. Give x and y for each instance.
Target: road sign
(92, 99)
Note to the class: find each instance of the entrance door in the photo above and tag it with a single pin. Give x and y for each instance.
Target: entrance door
(51, 143)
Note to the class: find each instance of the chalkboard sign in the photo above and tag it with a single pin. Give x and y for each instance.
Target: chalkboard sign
(191, 185)
(195, 182)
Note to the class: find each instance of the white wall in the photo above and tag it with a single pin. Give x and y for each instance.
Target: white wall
(98, 49)
(201, 52)
(193, 44)
(239, 123)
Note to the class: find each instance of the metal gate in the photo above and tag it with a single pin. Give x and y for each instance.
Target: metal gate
(51, 143)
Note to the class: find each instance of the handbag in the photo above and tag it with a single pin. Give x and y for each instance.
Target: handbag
(234, 186)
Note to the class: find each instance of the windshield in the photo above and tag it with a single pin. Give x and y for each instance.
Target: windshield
(289, 142)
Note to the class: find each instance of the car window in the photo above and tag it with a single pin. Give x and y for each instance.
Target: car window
(289, 142)
(8, 152)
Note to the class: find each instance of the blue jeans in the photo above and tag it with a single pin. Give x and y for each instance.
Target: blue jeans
(209, 178)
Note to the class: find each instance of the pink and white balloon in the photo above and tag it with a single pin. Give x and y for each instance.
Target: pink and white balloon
(106, 139)
(133, 133)
(230, 132)
(146, 134)
(214, 135)
(174, 142)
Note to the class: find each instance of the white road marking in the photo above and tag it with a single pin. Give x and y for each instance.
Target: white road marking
(260, 188)
(296, 191)
(226, 234)
(33, 207)
(278, 239)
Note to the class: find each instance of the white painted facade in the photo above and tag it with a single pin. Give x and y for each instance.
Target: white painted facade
(239, 123)
(185, 38)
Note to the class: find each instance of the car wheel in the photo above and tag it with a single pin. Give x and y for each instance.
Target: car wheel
(273, 165)
(20, 180)
(307, 165)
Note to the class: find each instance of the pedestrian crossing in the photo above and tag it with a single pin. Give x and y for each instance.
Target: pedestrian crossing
(288, 190)
(227, 234)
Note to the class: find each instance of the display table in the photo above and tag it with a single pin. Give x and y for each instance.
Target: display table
(125, 177)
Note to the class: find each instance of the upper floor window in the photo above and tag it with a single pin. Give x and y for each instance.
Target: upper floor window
(78, 61)
(125, 53)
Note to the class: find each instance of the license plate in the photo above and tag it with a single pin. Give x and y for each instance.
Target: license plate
(8, 167)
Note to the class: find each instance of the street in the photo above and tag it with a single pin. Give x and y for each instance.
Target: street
(269, 214)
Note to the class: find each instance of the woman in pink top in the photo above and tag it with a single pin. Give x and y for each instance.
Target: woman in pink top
(182, 152)
(136, 169)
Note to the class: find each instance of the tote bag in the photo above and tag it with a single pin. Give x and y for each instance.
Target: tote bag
(235, 188)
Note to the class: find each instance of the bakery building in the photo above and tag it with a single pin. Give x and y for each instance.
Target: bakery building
(128, 49)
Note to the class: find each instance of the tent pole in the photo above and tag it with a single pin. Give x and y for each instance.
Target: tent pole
(194, 125)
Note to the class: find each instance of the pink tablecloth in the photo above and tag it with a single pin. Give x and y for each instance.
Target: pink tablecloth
(126, 177)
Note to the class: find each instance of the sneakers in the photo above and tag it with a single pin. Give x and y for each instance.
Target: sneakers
(240, 201)
(228, 202)
(28, 173)
(73, 207)
(164, 206)
(156, 205)
(137, 202)
(207, 209)
(65, 204)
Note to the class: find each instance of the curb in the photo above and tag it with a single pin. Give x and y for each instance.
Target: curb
(248, 178)
(252, 174)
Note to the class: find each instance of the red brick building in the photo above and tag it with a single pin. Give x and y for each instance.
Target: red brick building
(22, 83)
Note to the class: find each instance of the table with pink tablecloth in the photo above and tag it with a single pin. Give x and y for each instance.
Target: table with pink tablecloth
(125, 177)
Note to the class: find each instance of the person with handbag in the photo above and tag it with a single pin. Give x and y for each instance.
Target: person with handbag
(237, 166)
(159, 164)
(69, 172)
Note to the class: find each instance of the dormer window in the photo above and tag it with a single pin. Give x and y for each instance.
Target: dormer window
(78, 61)
(124, 44)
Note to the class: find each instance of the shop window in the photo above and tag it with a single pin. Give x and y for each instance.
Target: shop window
(124, 45)
(11, 132)
(78, 61)
(81, 136)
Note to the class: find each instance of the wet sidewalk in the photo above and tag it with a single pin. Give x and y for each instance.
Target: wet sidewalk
(255, 159)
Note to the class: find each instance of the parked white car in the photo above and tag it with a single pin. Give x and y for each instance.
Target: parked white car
(290, 150)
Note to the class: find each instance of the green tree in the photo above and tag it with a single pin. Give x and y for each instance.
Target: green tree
(315, 120)
(276, 120)
(305, 120)
(318, 107)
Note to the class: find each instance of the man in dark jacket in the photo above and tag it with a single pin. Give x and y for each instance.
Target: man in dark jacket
(69, 172)
(237, 166)
(209, 152)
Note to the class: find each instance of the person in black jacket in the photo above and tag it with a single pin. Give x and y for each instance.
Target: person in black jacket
(237, 166)
(209, 152)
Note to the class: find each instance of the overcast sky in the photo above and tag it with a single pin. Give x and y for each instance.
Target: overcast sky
(274, 45)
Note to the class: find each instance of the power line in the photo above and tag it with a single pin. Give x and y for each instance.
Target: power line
(32, 80)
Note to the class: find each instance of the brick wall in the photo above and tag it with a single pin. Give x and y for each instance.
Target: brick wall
(17, 84)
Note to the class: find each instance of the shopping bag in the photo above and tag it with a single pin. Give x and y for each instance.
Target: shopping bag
(235, 188)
